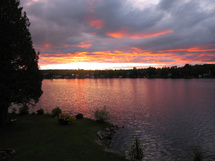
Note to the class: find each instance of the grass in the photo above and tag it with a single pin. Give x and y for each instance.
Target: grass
(41, 137)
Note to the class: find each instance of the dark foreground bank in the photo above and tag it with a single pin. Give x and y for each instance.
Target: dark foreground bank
(36, 138)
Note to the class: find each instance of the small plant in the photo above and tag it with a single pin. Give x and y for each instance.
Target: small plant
(101, 114)
(198, 155)
(56, 111)
(24, 110)
(136, 151)
(79, 116)
(40, 112)
(65, 119)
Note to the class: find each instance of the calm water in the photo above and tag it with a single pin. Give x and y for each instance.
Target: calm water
(170, 116)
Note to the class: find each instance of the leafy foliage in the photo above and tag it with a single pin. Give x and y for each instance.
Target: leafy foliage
(21, 79)
(187, 71)
(65, 119)
(24, 110)
(56, 111)
(101, 114)
(79, 116)
(198, 155)
(40, 112)
(136, 151)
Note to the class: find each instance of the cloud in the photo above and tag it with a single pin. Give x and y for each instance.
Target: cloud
(122, 31)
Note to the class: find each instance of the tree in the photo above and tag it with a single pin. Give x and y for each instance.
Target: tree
(20, 78)
(151, 72)
(187, 70)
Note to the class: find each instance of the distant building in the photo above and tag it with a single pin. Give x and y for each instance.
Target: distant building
(57, 76)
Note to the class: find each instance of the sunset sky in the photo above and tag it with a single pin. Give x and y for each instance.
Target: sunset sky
(119, 34)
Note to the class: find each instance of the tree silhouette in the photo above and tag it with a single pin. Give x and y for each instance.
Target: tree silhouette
(20, 77)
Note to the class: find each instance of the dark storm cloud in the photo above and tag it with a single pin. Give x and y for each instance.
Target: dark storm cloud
(192, 25)
(56, 22)
(118, 14)
(64, 22)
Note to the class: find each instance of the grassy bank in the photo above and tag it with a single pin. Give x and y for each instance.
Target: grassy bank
(43, 138)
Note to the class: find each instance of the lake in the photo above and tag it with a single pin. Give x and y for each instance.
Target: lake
(171, 117)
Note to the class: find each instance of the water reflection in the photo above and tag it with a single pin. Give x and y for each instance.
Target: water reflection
(170, 116)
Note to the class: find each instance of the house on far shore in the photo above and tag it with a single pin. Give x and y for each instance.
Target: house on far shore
(57, 76)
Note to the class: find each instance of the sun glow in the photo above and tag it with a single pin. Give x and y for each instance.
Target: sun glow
(98, 66)
(136, 57)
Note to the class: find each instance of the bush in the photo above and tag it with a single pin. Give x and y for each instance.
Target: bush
(40, 112)
(79, 116)
(198, 154)
(24, 110)
(56, 111)
(65, 119)
(136, 151)
(101, 114)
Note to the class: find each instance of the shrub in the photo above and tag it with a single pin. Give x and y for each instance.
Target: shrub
(136, 151)
(79, 116)
(198, 154)
(56, 111)
(40, 112)
(101, 114)
(65, 119)
(24, 110)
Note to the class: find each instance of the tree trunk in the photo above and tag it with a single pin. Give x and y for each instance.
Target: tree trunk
(3, 115)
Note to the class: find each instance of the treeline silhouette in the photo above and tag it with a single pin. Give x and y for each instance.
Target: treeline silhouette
(187, 71)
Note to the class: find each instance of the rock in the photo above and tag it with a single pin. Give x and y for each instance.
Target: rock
(100, 134)
(107, 130)
(3, 155)
(6, 153)
(107, 134)
(98, 141)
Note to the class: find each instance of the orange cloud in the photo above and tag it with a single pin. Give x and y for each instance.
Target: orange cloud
(138, 36)
(85, 44)
(91, 18)
(124, 33)
(99, 57)
(99, 23)
(92, 5)
(199, 48)
(135, 55)
(47, 45)
(118, 34)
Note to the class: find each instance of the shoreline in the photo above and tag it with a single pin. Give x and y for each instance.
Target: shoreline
(44, 138)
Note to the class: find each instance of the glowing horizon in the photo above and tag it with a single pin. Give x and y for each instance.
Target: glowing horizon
(127, 60)
(100, 34)
(98, 66)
